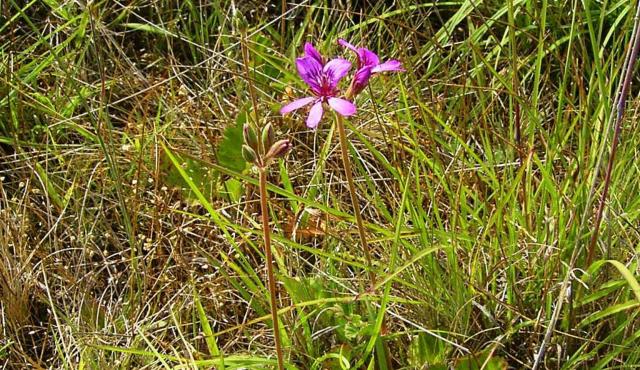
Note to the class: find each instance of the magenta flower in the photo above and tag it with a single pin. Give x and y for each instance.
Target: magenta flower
(323, 79)
(368, 64)
(311, 52)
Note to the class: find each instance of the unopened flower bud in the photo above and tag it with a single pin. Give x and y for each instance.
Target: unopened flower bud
(360, 81)
(250, 136)
(268, 136)
(279, 149)
(249, 154)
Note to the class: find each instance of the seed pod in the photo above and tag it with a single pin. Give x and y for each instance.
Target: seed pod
(249, 154)
(250, 136)
(268, 136)
(279, 149)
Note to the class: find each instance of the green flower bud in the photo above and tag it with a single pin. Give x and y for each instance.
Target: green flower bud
(268, 136)
(250, 136)
(249, 154)
(279, 149)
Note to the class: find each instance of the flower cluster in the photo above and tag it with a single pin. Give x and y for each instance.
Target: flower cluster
(260, 151)
(323, 77)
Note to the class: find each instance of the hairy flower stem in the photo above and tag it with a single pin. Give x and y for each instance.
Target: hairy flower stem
(264, 200)
(344, 148)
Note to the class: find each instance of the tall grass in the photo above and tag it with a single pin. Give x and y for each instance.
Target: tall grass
(130, 232)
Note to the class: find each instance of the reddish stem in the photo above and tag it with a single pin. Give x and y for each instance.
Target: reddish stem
(266, 232)
(620, 107)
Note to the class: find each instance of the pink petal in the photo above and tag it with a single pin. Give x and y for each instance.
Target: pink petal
(335, 69)
(310, 71)
(360, 80)
(347, 45)
(342, 106)
(368, 58)
(311, 52)
(296, 104)
(388, 66)
(315, 115)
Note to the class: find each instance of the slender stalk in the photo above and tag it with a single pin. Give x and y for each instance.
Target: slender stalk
(619, 107)
(344, 149)
(244, 49)
(346, 163)
(619, 104)
(264, 200)
(283, 8)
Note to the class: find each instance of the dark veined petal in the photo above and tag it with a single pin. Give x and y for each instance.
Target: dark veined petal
(342, 106)
(388, 66)
(368, 58)
(315, 115)
(310, 71)
(311, 52)
(296, 104)
(335, 69)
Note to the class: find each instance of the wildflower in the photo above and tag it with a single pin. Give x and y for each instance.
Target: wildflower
(323, 79)
(368, 64)
(311, 52)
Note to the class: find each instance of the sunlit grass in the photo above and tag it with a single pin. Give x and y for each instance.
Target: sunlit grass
(130, 229)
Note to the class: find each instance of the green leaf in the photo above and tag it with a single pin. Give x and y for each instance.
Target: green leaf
(190, 183)
(229, 151)
(212, 344)
(233, 190)
(354, 327)
(50, 188)
(150, 28)
(58, 9)
(598, 315)
(231, 362)
(201, 176)
(628, 276)
(304, 289)
(480, 361)
(426, 349)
